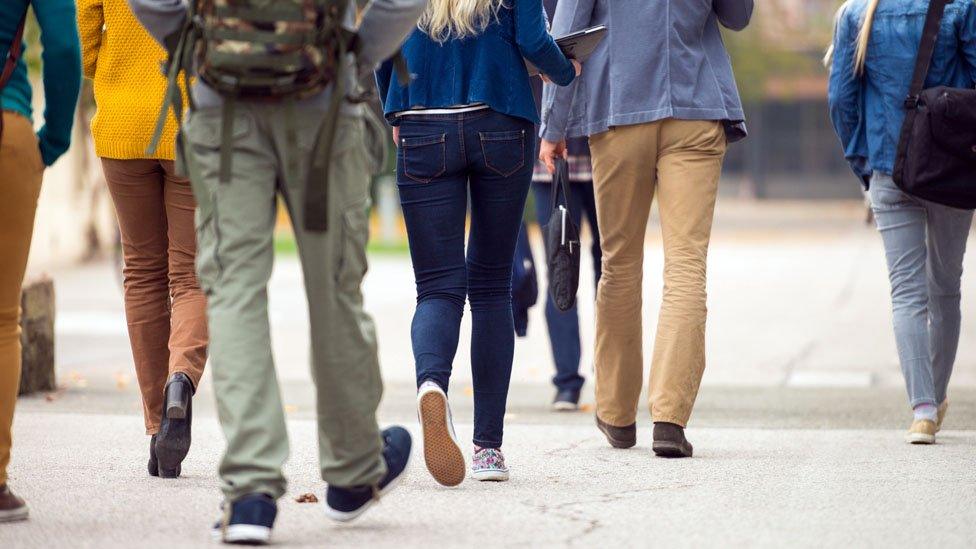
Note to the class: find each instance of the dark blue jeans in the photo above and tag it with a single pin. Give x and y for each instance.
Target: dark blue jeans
(564, 329)
(440, 161)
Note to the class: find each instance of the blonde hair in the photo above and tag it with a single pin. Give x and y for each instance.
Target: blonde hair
(443, 19)
(864, 36)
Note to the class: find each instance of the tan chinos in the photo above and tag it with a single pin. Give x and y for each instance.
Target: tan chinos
(680, 161)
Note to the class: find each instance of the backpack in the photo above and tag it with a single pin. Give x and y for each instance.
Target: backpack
(264, 50)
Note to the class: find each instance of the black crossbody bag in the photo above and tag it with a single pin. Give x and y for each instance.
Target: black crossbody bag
(562, 241)
(936, 158)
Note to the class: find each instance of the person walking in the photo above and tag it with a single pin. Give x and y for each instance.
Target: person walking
(24, 155)
(659, 104)
(463, 127)
(564, 326)
(874, 49)
(164, 307)
(242, 154)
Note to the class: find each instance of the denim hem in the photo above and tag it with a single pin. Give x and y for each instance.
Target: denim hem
(485, 444)
(916, 402)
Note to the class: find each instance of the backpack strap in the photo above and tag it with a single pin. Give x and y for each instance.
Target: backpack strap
(179, 58)
(317, 180)
(13, 56)
(926, 48)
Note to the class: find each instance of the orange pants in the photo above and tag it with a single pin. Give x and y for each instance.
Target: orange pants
(164, 307)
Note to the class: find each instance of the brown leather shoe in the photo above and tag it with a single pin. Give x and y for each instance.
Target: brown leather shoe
(11, 507)
(618, 437)
(943, 408)
(670, 441)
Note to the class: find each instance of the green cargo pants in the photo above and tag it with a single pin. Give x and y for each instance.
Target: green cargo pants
(235, 226)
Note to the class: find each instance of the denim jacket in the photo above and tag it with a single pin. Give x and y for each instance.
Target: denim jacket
(867, 111)
(488, 68)
(660, 59)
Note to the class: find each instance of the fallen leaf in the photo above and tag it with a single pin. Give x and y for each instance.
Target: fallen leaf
(307, 498)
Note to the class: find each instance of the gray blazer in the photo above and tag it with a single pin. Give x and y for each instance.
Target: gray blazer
(660, 59)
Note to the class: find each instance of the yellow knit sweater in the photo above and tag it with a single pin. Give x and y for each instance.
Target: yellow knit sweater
(124, 62)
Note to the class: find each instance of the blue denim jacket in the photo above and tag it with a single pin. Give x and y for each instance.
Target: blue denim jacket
(660, 59)
(867, 111)
(488, 68)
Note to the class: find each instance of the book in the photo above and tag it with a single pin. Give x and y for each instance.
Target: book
(577, 45)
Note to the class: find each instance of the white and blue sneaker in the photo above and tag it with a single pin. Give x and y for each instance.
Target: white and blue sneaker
(247, 521)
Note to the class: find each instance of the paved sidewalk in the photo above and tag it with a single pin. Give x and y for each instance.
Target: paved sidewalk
(797, 431)
(746, 487)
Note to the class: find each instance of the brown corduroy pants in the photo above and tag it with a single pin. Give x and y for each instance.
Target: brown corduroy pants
(680, 161)
(164, 307)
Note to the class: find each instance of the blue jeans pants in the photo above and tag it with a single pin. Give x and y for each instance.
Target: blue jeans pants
(443, 160)
(564, 328)
(924, 244)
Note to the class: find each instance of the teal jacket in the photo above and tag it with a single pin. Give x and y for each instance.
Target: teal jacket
(61, 57)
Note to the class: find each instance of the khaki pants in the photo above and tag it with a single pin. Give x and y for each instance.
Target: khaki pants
(21, 169)
(235, 230)
(164, 307)
(680, 161)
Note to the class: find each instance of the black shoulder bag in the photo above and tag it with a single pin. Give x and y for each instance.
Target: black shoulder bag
(936, 158)
(562, 241)
(13, 55)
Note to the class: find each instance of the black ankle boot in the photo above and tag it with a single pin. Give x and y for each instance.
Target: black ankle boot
(173, 439)
(153, 462)
(670, 441)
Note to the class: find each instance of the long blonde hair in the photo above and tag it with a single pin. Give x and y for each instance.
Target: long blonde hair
(443, 19)
(863, 36)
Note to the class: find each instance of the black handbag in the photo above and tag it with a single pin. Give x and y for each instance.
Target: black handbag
(936, 158)
(562, 242)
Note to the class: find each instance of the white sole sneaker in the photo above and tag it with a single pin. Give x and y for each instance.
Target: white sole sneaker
(347, 516)
(442, 453)
(14, 515)
(919, 438)
(563, 406)
(251, 534)
(490, 475)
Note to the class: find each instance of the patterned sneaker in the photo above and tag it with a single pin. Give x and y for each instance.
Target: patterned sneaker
(488, 464)
(442, 453)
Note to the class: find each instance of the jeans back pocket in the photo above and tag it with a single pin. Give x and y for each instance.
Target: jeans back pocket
(424, 158)
(504, 152)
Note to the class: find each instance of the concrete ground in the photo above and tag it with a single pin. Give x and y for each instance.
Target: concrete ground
(797, 432)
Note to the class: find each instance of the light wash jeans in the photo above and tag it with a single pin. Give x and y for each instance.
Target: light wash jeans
(924, 243)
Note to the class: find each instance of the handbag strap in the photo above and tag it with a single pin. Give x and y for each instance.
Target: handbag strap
(926, 48)
(560, 184)
(13, 55)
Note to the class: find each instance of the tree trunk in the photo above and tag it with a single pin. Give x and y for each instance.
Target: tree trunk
(37, 336)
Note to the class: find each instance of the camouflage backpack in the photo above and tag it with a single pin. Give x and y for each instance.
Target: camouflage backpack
(265, 50)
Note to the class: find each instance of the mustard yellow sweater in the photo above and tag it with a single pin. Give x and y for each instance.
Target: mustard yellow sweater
(124, 63)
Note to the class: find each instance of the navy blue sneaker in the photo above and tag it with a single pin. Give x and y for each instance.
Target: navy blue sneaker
(247, 521)
(345, 504)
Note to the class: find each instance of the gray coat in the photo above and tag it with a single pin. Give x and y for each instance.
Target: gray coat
(660, 59)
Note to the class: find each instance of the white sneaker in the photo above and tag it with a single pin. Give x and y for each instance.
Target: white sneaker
(442, 453)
